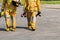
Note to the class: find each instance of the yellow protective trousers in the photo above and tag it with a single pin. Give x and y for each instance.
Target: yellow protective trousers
(32, 7)
(31, 18)
(10, 18)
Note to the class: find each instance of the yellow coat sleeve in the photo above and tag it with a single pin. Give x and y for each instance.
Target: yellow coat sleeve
(3, 3)
(20, 1)
(25, 4)
(38, 5)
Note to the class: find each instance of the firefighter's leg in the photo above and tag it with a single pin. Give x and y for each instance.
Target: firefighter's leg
(14, 22)
(33, 21)
(28, 19)
(7, 18)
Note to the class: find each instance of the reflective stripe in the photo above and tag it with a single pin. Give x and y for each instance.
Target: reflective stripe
(33, 19)
(16, 0)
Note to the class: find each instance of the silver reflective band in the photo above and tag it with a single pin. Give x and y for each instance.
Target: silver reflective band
(17, 0)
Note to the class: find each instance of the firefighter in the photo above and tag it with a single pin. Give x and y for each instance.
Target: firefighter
(25, 14)
(32, 7)
(9, 8)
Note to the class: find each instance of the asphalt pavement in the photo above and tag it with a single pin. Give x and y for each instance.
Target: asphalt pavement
(47, 26)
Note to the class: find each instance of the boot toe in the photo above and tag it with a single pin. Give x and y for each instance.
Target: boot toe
(33, 29)
(7, 29)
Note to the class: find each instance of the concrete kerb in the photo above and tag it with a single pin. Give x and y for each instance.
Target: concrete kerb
(53, 6)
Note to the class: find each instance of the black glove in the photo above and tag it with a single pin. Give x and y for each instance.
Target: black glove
(19, 3)
(39, 13)
(2, 9)
(0, 14)
(14, 3)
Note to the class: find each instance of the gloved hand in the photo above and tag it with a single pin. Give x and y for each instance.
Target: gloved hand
(0, 14)
(16, 4)
(19, 3)
(2, 9)
(39, 13)
(24, 14)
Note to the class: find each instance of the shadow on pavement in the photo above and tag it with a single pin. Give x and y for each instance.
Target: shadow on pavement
(18, 27)
(2, 29)
(23, 28)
